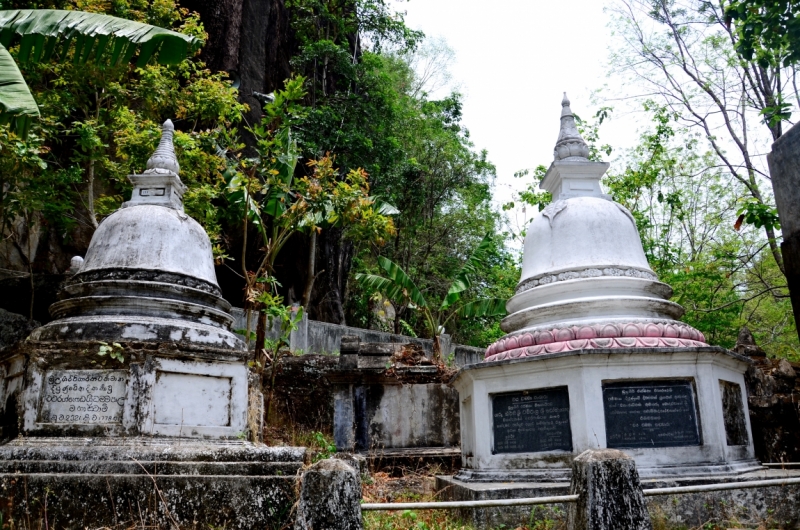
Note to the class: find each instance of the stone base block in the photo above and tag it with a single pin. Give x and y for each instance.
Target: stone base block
(78, 483)
(776, 505)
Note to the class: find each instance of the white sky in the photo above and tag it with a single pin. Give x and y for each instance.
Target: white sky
(514, 60)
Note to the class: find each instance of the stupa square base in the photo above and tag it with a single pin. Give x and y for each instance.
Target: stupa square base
(147, 482)
(677, 412)
(97, 389)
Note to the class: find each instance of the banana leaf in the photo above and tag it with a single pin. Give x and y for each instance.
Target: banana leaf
(399, 276)
(385, 286)
(382, 207)
(46, 33)
(397, 286)
(17, 105)
(43, 32)
(488, 307)
(462, 280)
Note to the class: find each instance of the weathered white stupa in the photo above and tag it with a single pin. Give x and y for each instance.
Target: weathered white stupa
(595, 356)
(141, 342)
(148, 273)
(585, 280)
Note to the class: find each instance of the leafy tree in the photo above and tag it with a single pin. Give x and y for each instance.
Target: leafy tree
(279, 204)
(104, 39)
(101, 121)
(768, 31)
(683, 205)
(397, 286)
(684, 52)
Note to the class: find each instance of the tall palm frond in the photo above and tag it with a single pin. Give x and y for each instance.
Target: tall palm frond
(462, 281)
(487, 307)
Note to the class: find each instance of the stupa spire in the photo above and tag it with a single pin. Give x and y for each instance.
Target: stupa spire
(570, 144)
(160, 183)
(164, 155)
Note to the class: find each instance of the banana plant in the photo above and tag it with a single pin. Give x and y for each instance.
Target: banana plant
(49, 34)
(397, 286)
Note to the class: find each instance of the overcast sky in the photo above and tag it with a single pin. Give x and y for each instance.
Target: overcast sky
(514, 60)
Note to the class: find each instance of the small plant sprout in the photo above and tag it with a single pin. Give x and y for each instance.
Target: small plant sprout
(114, 351)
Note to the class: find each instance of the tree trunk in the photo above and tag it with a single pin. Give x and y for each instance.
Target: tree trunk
(336, 255)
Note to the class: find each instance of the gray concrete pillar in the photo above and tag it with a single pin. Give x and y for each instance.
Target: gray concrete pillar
(330, 498)
(609, 493)
(784, 169)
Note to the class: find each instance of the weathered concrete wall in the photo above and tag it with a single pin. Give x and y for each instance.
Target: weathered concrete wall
(303, 395)
(369, 417)
(158, 483)
(324, 338)
(90, 500)
(381, 403)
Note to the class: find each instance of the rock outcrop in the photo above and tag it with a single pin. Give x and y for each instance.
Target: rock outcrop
(773, 389)
(14, 328)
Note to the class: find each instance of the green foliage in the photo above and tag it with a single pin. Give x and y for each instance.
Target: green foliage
(768, 31)
(325, 448)
(101, 121)
(685, 210)
(16, 100)
(113, 350)
(399, 287)
(44, 34)
(758, 214)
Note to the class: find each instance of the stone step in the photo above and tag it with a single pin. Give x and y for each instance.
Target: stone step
(157, 468)
(145, 450)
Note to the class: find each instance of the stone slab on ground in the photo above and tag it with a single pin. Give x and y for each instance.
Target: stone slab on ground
(777, 504)
(84, 482)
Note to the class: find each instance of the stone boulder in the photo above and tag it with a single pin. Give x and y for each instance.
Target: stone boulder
(14, 328)
(330, 498)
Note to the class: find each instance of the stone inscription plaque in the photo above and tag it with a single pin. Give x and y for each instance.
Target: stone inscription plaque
(650, 414)
(733, 413)
(83, 396)
(531, 421)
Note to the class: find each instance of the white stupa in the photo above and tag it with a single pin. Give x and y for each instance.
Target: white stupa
(595, 356)
(585, 280)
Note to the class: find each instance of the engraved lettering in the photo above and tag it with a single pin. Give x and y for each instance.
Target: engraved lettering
(650, 414)
(532, 421)
(83, 396)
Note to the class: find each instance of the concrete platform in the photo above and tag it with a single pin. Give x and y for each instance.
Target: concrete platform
(398, 461)
(85, 482)
(779, 505)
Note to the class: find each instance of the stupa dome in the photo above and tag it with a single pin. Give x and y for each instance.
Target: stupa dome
(148, 274)
(585, 280)
(582, 233)
(151, 237)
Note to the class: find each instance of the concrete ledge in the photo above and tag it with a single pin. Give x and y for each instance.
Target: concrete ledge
(138, 467)
(145, 449)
